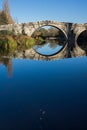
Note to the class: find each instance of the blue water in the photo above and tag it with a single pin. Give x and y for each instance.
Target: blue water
(44, 95)
(47, 50)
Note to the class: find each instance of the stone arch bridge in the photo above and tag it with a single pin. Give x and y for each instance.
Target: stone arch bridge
(71, 30)
(29, 28)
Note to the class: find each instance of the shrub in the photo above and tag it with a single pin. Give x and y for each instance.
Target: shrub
(7, 44)
(6, 32)
(24, 41)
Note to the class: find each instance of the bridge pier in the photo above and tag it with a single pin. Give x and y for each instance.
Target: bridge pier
(70, 39)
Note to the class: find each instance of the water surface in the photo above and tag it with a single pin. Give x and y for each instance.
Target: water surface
(44, 90)
(43, 95)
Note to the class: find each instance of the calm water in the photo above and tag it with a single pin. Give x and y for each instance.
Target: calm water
(43, 95)
(49, 47)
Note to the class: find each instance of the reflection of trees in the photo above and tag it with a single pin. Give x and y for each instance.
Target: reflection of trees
(8, 63)
(49, 32)
(53, 43)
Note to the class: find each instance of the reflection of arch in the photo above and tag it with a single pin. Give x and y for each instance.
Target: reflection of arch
(31, 54)
(56, 53)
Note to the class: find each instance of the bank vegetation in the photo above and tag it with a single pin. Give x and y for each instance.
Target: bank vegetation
(8, 40)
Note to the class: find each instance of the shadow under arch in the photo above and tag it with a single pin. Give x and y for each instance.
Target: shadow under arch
(64, 36)
(82, 40)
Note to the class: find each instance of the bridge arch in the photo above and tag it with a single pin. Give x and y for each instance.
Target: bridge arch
(60, 26)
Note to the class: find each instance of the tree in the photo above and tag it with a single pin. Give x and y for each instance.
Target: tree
(5, 17)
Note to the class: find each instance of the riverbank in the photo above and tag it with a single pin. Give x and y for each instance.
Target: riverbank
(10, 43)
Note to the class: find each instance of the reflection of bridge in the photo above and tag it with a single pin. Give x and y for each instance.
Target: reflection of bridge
(65, 53)
(31, 54)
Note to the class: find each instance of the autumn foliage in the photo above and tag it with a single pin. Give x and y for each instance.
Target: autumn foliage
(5, 17)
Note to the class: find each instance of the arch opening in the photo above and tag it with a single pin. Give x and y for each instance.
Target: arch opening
(49, 40)
(82, 40)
